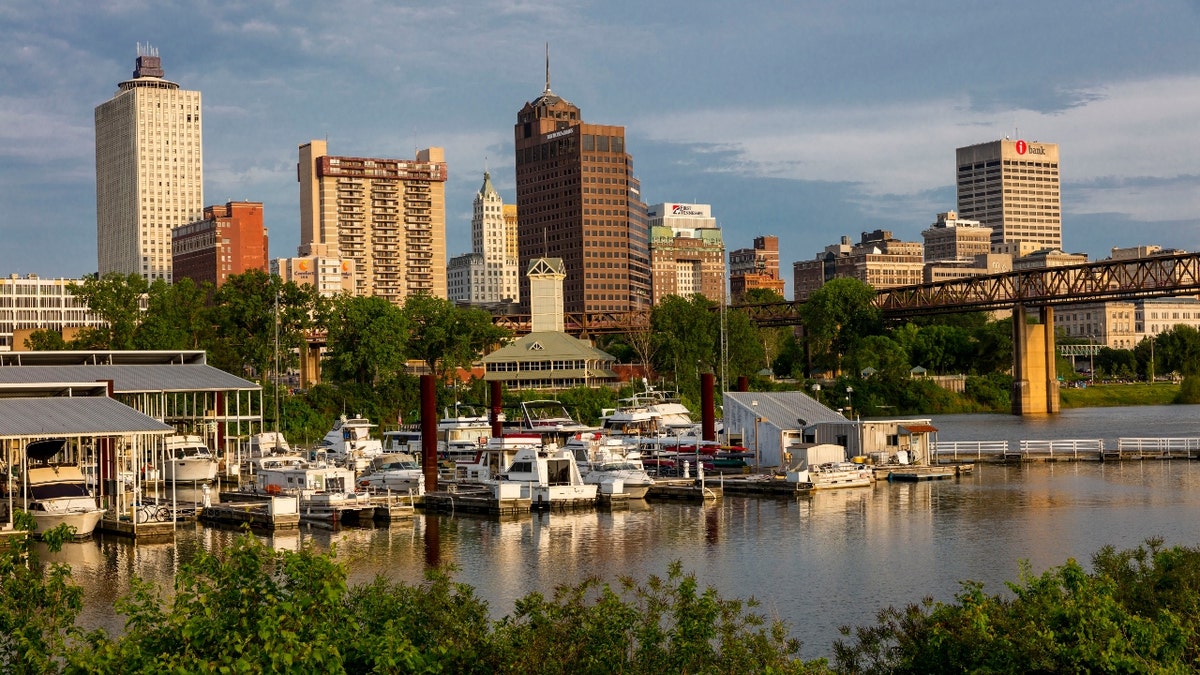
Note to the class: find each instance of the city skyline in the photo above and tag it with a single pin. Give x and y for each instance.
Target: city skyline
(838, 120)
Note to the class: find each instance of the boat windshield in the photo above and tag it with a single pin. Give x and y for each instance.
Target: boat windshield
(58, 490)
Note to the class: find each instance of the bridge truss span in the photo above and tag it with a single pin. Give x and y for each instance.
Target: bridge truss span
(1153, 277)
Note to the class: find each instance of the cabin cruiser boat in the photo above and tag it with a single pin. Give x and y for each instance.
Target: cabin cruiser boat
(326, 493)
(188, 460)
(548, 477)
(548, 419)
(495, 458)
(462, 435)
(405, 440)
(57, 494)
(398, 471)
(606, 459)
(349, 443)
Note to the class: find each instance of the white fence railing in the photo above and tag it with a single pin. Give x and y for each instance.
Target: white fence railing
(1086, 448)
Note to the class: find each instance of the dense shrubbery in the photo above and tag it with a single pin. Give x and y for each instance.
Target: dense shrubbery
(251, 609)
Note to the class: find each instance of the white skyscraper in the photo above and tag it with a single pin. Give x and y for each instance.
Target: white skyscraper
(149, 170)
(487, 275)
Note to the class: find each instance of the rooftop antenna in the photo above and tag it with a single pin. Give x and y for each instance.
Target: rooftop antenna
(547, 67)
(545, 246)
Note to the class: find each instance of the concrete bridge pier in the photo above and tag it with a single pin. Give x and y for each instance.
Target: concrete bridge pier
(1035, 379)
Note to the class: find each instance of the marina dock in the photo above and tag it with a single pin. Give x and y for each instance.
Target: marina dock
(274, 513)
(683, 489)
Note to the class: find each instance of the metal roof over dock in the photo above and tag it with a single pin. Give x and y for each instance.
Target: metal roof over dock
(131, 372)
(73, 416)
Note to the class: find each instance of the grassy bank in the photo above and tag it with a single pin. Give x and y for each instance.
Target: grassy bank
(1101, 395)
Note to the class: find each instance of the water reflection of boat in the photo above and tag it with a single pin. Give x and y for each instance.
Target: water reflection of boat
(57, 494)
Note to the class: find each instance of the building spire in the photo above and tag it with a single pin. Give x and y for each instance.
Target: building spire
(547, 67)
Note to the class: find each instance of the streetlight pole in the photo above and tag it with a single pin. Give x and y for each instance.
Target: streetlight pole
(1092, 360)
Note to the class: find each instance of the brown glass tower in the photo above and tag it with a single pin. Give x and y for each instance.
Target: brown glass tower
(578, 200)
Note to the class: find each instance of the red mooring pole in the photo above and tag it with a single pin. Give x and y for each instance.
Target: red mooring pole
(429, 457)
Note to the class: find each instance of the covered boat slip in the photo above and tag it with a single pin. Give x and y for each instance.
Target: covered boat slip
(176, 387)
(101, 438)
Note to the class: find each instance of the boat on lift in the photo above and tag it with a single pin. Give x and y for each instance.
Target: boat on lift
(57, 494)
(186, 459)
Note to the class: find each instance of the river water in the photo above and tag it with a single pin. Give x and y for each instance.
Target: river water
(833, 558)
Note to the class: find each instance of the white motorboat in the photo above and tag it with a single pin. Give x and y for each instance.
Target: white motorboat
(349, 443)
(188, 460)
(57, 494)
(394, 472)
(834, 475)
(462, 435)
(326, 493)
(548, 419)
(495, 458)
(606, 459)
(549, 478)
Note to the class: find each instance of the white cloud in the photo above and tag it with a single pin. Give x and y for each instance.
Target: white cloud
(1142, 129)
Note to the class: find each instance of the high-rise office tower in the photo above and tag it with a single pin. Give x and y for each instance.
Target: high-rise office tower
(487, 275)
(578, 200)
(1013, 188)
(149, 170)
(686, 251)
(386, 216)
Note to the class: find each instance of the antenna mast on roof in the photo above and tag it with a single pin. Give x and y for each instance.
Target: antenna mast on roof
(545, 246)
(547, 67)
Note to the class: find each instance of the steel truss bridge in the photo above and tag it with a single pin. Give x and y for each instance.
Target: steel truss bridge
(1154, 277)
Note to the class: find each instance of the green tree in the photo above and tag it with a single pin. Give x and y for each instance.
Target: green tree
(446, 336)
(46, 340)
(366, 340)
(246, 309)
(177, 316)
(688, 329)
(1178, 350)
(38, 603)
(747, 344)
(115, 298)
(1129, 615)
(773, 340)
(881, 353)
(837, 315)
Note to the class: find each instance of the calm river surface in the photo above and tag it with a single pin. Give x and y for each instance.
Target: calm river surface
(818, 561)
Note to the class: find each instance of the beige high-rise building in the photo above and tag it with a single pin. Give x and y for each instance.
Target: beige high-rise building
(386, 216)
(487, 275)
(1013, 188)
(149, 170)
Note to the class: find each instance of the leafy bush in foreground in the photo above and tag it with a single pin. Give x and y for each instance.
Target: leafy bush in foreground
(252, 610)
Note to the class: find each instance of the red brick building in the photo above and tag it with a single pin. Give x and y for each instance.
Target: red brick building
(229, 240)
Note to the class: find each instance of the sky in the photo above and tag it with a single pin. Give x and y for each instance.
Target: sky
(806, 120)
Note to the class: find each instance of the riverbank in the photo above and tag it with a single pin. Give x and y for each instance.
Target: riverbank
(1110, 395)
